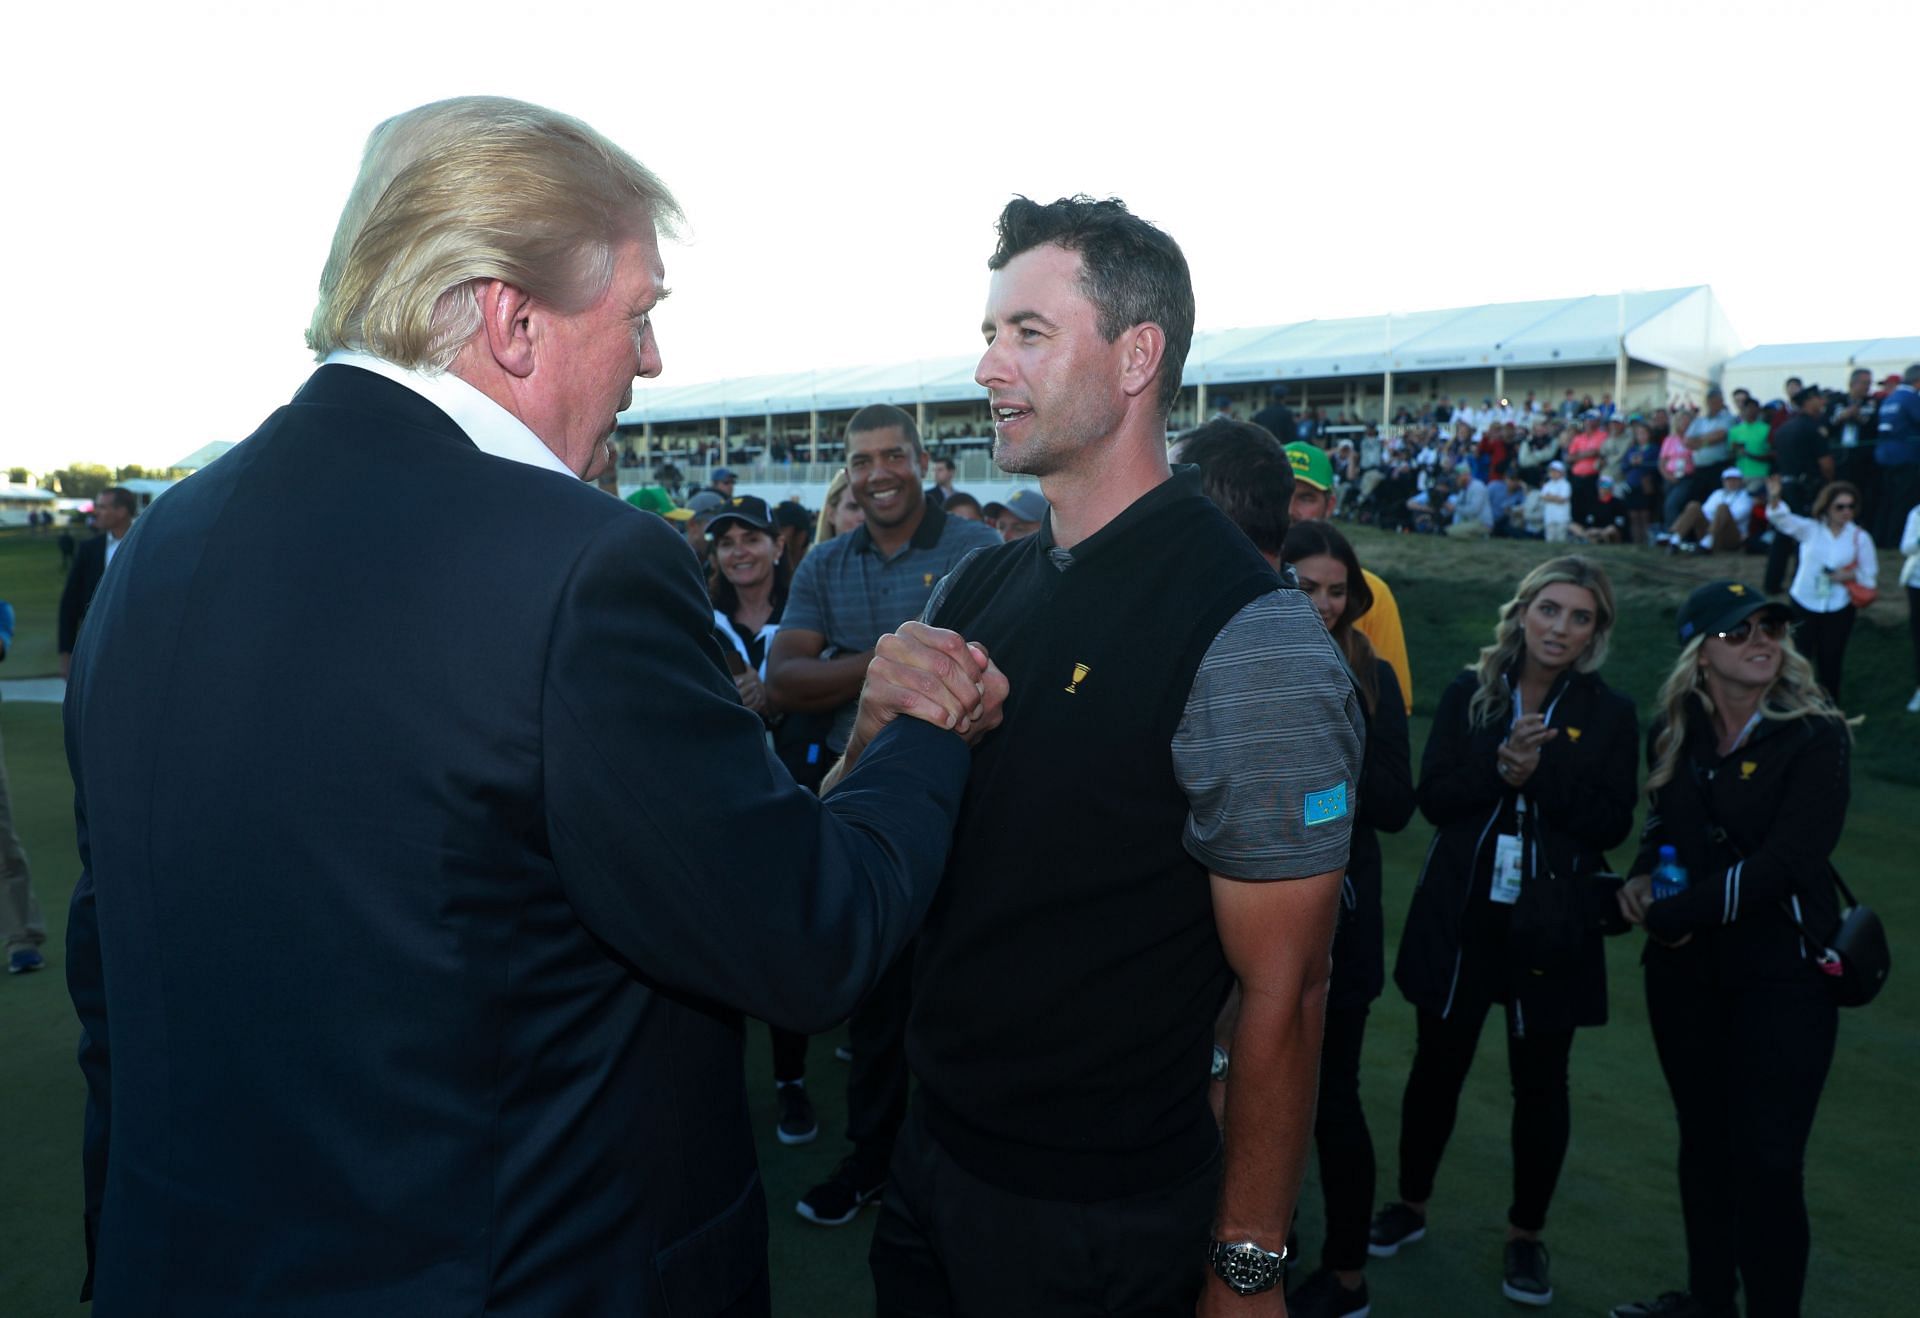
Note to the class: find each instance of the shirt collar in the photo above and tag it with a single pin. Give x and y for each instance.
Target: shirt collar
(933, 521)
(491, 427)
(1184, 483)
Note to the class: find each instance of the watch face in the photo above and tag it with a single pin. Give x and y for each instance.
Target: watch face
(1246, 1267)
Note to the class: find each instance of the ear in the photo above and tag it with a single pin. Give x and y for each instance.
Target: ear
(1144, 347)
(506, 317)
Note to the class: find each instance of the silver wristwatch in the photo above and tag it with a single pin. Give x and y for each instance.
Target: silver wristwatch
(1246, 1267)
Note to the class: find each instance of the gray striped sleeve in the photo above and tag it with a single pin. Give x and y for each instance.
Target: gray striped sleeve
(1268, 750)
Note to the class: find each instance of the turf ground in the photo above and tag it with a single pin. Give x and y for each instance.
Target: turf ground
(1615, 1230)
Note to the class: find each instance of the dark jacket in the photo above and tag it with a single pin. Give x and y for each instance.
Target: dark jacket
(1386, 804)
(1754, 829)
(1580, 802)
(89, 565)
(423, 879)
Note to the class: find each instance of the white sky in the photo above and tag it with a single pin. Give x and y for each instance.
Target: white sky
(176, 171)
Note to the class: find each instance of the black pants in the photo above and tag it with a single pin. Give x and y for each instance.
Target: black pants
(877, 1079)
(1542, 1121)
(1913, 628)
(1822, 638)
(1342, 1141)
(1746, 1066)
(789, 1055)
(951, 1245)
(1898, 490)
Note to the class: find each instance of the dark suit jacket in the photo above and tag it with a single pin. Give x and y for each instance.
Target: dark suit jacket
(428, 857)
(83, 578)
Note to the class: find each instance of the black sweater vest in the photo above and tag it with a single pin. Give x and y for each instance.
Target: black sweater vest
(1069, 973)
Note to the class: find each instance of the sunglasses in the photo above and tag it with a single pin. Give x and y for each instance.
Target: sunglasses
(1843, 507)
(1773, 628)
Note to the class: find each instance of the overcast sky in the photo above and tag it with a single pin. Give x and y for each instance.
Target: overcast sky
(176, 173)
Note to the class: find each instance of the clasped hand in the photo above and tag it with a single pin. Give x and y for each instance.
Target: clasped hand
(935, 675)
(1635, 895)
(1519, 755)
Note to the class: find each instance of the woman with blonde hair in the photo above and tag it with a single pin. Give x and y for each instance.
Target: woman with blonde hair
(1749, 787)
(1528, 777)
(839, 512)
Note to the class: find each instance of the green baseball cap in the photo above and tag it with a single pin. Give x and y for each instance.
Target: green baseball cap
(1311, 464)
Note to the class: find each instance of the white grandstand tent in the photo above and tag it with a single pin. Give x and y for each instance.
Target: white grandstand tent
(1763, 371)
(1656, 343)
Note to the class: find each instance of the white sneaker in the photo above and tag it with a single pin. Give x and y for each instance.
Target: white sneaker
(1913, 706)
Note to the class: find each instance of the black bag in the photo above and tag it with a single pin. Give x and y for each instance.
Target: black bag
(1857, 958)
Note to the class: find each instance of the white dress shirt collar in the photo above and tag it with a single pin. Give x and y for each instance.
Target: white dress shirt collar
(490, 426)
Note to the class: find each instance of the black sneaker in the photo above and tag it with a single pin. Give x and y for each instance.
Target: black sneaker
(1526, 1281)
(797, 1122)
(1674, 1304)
(1394, 1226)
(837, 1200)
(1322, 1296)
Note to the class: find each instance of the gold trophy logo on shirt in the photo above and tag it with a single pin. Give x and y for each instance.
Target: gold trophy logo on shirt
(1079, 675)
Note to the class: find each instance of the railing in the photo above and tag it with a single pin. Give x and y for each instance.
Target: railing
(975, 466)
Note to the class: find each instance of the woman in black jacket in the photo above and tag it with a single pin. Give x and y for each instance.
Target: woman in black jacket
(1749, 786)
(1329, 572)
(1528, 778)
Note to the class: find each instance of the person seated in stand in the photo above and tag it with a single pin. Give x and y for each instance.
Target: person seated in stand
(1718, 526)
(1507, 502)
(1605, 522)
(1471, 514)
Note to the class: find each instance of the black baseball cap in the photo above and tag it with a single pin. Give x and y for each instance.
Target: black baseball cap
(789, 513)
(747, 509)
(1720, 606)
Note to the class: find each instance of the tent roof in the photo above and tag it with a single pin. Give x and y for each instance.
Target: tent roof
(1835, 352)
(203, 455)
(1682, 328)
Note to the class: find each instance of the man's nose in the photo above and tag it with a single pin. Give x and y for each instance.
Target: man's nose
(991, 369)
(649, 358)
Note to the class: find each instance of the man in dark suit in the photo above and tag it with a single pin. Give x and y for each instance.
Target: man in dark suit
(425, 853)
(114, 509)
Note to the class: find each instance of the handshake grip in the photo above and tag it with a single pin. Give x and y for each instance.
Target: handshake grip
(934, 675)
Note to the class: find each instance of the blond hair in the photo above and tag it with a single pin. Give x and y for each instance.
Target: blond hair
(470, 189)
(823, 525)
(1494, 698)
(1795, 694)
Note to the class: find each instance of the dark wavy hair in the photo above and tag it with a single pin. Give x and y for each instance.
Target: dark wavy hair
(726, 599)
(1245, 471)
(1131, 272)
(1311, 539)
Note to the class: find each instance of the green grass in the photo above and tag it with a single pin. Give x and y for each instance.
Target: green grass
(30, 580)
(1615, 1229)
